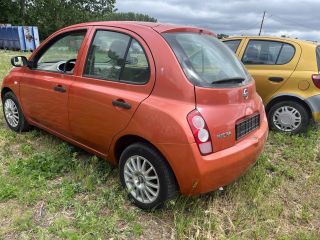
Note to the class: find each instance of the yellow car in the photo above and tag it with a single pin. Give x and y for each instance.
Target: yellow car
(287, 77)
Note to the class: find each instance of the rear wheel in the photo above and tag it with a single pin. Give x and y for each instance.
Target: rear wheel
(13, 113)
(146, 176)
(288, 116)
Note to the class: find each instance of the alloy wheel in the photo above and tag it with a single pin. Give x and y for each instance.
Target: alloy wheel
(11, 112)
(141, 179)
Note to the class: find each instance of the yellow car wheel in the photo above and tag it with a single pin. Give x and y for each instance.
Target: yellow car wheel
(288, 116)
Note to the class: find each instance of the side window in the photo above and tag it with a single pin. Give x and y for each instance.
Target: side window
(286, 54)
(106, 55)
(117, 57)
(233, 44)
(136, 69)
(61, 54)
(268, 53)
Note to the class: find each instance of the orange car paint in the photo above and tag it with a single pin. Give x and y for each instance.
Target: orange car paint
(85, 116)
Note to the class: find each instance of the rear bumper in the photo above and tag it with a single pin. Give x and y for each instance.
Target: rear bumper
(198, 174)
(221, 168)
(314, 104)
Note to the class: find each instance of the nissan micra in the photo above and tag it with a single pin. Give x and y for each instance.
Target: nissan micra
(287, 74)
(171, 105)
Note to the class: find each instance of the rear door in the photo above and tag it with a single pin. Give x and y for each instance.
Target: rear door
(117, 75)
(270, 63)
(224, 92)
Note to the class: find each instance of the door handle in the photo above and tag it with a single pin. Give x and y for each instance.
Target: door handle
(121, 103)
(59, 88)
(276, 79)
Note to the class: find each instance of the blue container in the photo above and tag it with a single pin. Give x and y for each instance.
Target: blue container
(1, 36)
(21, 39)
(24, 38)
(10, 38)
(36, 36)
(5, 37)
(15, 43)
(28, 38)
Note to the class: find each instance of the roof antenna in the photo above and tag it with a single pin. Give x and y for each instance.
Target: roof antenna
(264, 14)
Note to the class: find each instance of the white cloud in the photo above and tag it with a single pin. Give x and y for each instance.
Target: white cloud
(295, 18)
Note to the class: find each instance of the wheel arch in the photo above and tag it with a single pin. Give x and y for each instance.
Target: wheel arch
(5, 90)
(124, 141)
(294, 98)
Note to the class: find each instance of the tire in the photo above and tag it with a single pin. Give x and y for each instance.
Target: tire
(289, 117)
(13, 114)
(138, 185)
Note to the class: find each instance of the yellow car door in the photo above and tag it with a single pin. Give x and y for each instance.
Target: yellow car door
(270, 62)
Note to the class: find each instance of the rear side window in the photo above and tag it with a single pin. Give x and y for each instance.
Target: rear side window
(117, 57)
(268, 53)
(318, 57)
(286, 54)
(136, 68)
(206, 61)
(233, 44)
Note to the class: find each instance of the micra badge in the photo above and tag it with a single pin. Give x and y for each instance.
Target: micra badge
(223, 135)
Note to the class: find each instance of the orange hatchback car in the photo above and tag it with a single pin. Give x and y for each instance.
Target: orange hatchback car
(171, 105)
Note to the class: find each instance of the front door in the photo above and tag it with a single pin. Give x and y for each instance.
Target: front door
(44, 89)
(117, 75)
(270, 63)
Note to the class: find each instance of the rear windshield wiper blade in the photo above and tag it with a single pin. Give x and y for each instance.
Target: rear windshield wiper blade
(230, 80)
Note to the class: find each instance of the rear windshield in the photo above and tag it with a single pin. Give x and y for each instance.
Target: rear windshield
(318, 57)
(206, 61)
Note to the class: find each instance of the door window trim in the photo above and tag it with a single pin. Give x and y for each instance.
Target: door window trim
(266, 40)
(53, 40)
(125, 56)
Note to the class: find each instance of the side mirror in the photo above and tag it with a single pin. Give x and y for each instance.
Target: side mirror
(19, 61)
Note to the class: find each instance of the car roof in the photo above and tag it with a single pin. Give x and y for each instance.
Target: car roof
(159, 27)
(298, 41)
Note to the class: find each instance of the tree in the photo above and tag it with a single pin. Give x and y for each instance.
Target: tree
(6, 11)
(129, 16)
(51, 15)
(222, 35)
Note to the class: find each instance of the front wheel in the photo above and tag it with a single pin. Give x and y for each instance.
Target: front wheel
(13, 113)
(288, 116)
(146, 176)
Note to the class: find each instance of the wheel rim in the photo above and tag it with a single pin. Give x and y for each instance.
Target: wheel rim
(11, 112)
(141, 179)
(287, 118)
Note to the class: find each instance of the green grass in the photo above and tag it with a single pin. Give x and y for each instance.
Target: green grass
(50, 189)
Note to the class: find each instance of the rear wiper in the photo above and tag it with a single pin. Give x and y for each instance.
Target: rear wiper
(231, 80)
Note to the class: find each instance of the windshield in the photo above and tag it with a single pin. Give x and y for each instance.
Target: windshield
(206, 61)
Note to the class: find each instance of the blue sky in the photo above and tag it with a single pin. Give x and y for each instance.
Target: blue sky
(293, 18)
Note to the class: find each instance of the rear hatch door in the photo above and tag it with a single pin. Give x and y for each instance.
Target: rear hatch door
(225, 93)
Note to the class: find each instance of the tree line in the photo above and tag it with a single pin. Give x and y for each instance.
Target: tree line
(51, 15)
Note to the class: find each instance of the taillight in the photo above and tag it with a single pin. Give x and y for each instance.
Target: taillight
(316, 80)
(200, 132)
